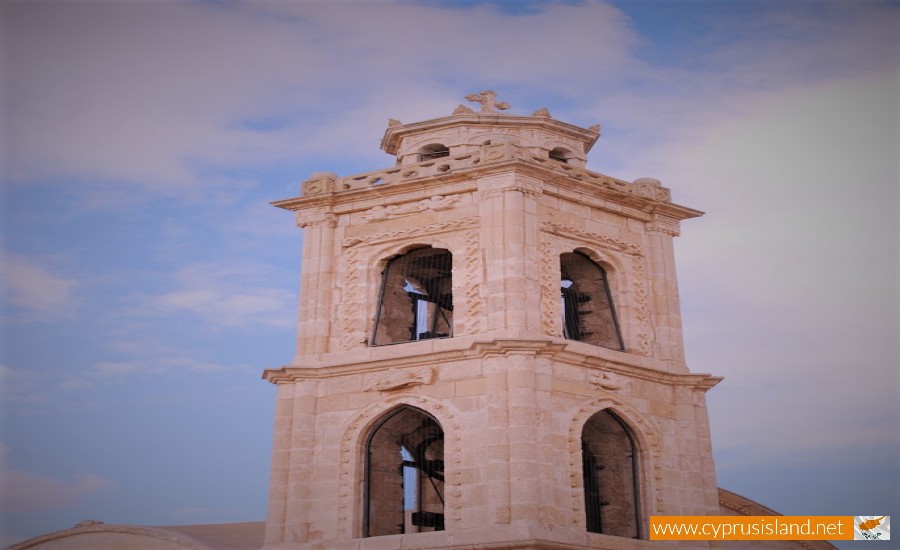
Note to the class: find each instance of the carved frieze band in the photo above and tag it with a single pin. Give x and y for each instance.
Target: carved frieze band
(435, 203)
(398, 379)
(564, 230)
(316, 217)
(441, 227)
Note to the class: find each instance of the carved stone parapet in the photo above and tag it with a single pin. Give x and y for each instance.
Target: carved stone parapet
(652, 189)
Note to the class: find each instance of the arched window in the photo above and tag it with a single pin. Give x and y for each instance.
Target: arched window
(588, 314)
(433, 151)
(416, 301)
(560, 154)
(404, 474)
(610, 466)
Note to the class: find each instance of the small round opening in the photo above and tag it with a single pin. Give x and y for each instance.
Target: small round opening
(433, 151)
(561, 155)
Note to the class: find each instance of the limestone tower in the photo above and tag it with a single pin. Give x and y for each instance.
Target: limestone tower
(489, 350)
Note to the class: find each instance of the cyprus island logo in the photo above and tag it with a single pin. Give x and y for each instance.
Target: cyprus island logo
(871, 527)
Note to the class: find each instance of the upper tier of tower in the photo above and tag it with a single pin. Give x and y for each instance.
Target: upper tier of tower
(466, 131)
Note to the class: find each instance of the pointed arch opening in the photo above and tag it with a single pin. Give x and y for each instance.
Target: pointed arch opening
(610, 475)
(416, 301)
(404, 489)
(588, 314)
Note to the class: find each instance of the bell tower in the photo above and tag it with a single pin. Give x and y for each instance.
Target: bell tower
(489, 349)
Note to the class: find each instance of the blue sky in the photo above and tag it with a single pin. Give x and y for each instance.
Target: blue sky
(148, 282)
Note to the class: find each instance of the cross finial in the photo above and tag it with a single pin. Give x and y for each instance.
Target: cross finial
(488, 101)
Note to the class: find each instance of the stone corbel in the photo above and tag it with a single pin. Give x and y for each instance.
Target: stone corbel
(315, 217)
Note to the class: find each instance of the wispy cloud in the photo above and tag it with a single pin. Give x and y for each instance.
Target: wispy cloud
(25, 491)
(224, 296)
(155, 366)
(35, 293)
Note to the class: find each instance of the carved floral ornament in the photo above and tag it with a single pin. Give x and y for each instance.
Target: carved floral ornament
(397, 379)
(435, 204)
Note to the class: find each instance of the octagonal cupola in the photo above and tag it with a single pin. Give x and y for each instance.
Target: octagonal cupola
(466, 130)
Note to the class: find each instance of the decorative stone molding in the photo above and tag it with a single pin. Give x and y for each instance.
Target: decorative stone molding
(603, 381)
(551, 321)
(435, 203)
(472, 281)
(351, 323)
(663, 224)
(319, 216)
(564, 230)
(396, 379)
(431, 229)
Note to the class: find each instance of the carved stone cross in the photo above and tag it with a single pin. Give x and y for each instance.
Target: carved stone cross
(488, 101)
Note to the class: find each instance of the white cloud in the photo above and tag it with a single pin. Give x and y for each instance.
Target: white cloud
(38, 294)
(28, 492)
(791, 278)
(224, 296)
(169, 97)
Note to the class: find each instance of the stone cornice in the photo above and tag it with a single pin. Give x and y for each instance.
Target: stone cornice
(625, 364)
(559, 179)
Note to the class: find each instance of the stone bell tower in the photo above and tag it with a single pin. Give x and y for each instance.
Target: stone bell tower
(489, 350)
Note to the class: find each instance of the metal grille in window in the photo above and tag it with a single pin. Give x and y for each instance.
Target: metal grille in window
(609, 460)
(416, 301)
(588, 314)
(405, 475)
